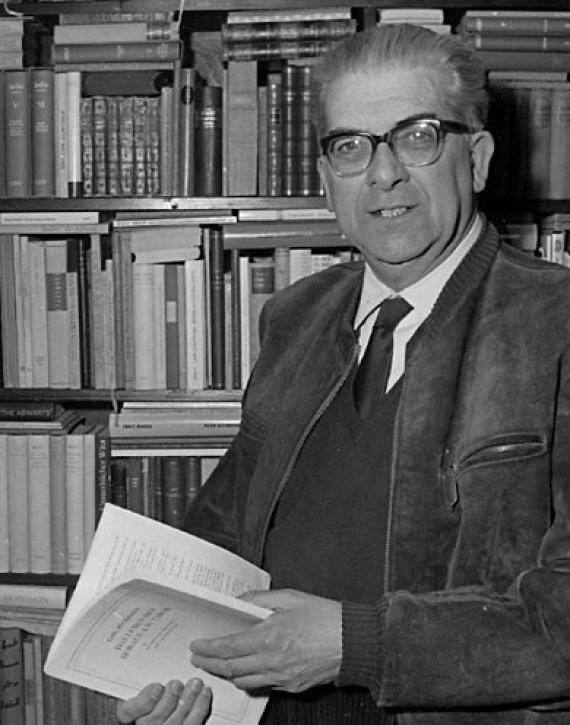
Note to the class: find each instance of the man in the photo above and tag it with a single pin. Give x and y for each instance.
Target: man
(419, 548)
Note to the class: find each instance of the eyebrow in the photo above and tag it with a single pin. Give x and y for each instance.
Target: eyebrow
(414, 117)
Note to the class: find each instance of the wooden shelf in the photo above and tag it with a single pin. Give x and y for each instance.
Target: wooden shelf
(55, 8)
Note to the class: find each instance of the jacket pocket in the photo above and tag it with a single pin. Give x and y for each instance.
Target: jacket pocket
(500, 449)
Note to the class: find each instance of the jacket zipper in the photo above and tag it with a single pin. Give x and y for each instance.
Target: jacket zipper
(295, 453)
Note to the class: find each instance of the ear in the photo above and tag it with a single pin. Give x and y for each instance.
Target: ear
(482, 147)
(324, 171)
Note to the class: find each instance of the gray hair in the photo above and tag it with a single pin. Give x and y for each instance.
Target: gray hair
(406, 46)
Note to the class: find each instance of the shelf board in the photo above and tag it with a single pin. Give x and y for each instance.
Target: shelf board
(107, 6)
(106, 397)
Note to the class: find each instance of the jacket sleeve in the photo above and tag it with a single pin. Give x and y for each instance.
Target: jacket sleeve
(470, 647)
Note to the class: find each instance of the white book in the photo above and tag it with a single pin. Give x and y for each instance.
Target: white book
(61, 136)
(4, 514)
(164, 588)
(143, 327)
(195, 283)
(300, 264)
(40, 370)
(244, 305)
(24, 218)
(39, 503)
(289, 15)
(75, 501)
(18, 504)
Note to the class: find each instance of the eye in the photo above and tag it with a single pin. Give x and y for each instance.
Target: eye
(350, 146)
(416, 136)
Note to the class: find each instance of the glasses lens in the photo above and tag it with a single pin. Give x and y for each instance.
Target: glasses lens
(350, 154)
(416, 143)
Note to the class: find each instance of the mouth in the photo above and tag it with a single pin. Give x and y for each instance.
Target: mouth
(392, 212)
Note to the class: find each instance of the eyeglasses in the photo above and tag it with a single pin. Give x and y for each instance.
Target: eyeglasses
(413, 141)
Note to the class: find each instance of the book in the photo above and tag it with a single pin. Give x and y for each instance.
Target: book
(411, 15)
(98, 18)
(186, 147)
(241, 129)
(18, 503)
(496, 41)
(57, 313)
(11, 676)
(262, 287)
(208, 140)
(33, 596)
(522, 60)
(276, 15)
(149, 50)
(516, 22)
(540, 134)
(215, 248)
(559, 181)
(61, 134)
(58, 504)
(73, 128)
(167, 575)
(43, 130)
(4, 504)
(39, 473)
(197, 424)
(136, 31)
(17, 133)
(277, 49)
(173, 490)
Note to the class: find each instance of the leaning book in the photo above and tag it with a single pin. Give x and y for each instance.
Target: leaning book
(146, 591)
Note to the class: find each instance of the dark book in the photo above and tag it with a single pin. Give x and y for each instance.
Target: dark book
(173, 490)
(134, 483)
(496, 41)
(149, 50)
(560, 143)
(521, 60)
(119, 481)
(193, 478)
(86, 126)
(274, 133)
(43, 142)
(277, 49)
(136, 82)
(17, 133)
(215, 242)
(262, 284)
(186, 147)
(236, 348)
(11, 676)
(208, 141)
(112, 163)
(172, 301)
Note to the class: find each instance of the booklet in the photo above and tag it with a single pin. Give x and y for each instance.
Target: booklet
(146, 591)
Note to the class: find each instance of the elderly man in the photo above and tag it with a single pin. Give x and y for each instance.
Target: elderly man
(403, 464)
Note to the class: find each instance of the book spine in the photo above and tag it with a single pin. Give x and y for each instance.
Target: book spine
(546, 43)
(153, 148)
(17, 122)
(518, 25)
(57, 312)
(524, 60)
(4, 510)
(262, 287)
(241, 129)
(126, 144)
(186, 147)
(133, 32)
(277, 49)
(12, 710)
(39, 503)
(99, 110)
(274, 134)
(18, 503)
(235, 307)
(171, 314)
(140, 130)
(217, 308)
(61, 134)
(173, 491)
(158, 321)
(166, 141)
(112, 52)
(540, 132)
(86, 123)
(143, 329)
(73, 315)
(75, 501)
(289, 100)
(112, 156)
(58, 504)
(9, 327)
(195, 324)
(43, 132)
(208, 141)
(134, 483)
(560, 143)
(74, 185)
(104, 18)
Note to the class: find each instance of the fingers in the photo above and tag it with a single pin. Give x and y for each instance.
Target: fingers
(177, 704)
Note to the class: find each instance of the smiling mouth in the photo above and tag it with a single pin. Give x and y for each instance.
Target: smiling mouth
(391, 213)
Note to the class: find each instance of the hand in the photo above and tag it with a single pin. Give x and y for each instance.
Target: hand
(295, 648)
(174, 704)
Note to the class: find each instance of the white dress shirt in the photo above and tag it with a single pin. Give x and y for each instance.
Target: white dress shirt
(421, 295)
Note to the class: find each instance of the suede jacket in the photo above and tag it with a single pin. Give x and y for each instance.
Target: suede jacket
(475, 625)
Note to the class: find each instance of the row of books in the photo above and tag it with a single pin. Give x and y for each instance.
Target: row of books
(531, 124)
(11, 42)
(150, 307)
(29, 697)
(252, 136)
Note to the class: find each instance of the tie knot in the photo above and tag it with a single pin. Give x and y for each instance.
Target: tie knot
(391, 312)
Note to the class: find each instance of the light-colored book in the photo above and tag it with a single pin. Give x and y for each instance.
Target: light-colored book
(147, 590)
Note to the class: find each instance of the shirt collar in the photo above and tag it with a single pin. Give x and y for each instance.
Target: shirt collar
(422, 295)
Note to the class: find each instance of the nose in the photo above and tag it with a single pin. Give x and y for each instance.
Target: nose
(385, 170)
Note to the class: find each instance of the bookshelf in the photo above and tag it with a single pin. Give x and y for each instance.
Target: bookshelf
(225, 215)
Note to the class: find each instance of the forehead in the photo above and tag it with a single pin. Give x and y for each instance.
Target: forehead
(374, 100)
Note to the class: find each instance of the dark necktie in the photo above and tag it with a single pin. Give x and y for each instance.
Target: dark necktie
(374, 369)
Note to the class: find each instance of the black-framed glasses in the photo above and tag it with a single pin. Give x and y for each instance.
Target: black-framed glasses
(416, 141)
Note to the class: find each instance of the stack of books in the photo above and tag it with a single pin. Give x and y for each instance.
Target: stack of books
(259, 35)
(519, 40)
(115, 38)
(11, 42)
(432, 18)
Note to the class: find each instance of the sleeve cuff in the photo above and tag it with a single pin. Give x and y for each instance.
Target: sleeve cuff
(362, 651)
